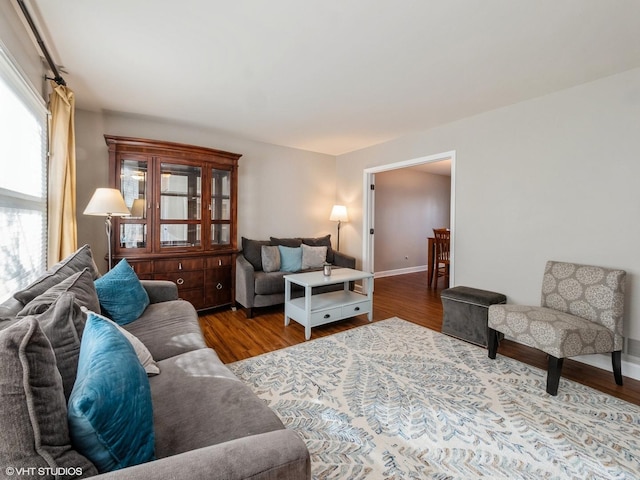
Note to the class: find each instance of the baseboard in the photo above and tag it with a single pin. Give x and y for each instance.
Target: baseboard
(400, 271)
(629, 368)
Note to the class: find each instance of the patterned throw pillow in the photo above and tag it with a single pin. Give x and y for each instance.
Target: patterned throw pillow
(122, 296)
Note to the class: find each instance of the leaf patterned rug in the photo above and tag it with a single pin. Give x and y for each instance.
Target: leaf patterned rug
(393, 400)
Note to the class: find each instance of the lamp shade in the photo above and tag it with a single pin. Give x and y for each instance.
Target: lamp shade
(106, 202)
(339, 214)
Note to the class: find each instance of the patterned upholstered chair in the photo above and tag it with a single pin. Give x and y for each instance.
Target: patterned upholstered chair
(580, 313)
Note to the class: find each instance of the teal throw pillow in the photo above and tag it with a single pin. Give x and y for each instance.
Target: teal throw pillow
(122, 296)
(290, 258)
(110, 413)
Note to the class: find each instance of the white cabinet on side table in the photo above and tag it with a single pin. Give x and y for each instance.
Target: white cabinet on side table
(314, 310)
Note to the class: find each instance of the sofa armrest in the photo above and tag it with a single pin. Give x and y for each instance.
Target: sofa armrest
(160, 290)
(245, 282)
(343, 260)
(280, 455)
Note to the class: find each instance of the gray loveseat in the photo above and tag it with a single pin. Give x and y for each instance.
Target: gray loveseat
(257, 287)
(207, 423)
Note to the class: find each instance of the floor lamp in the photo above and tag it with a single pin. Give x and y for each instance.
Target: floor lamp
(107, 202)
(339, 214)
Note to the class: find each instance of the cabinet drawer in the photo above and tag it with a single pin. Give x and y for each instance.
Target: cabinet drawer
(141, 268)
(325, 316)
(194, 296)
(179, 265)
(218, 261)
(356, 309)
(184, 280)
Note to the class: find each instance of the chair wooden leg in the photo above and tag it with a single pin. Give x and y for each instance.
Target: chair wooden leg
(492, 341)
(616, 360)
(553, 374)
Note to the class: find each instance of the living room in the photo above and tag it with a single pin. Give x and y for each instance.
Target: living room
(552, 176)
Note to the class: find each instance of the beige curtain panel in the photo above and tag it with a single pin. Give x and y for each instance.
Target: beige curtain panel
(62, 175)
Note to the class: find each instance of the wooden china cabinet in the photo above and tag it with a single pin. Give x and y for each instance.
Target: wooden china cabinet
(183, 207)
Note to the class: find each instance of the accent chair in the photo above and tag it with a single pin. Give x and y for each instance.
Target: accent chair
(580, 313)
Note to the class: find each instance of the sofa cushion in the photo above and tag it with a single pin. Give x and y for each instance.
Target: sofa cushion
(290, 258)
(110, 412)
(122, 296)
(80, 284)
(142, 352)
(321, 242)
(198, 402)
(313, 257)
(33, 417)
(76, 262)
(168, 329)
(286, 242)
(268, 283)
(270, 258)
(252, 251)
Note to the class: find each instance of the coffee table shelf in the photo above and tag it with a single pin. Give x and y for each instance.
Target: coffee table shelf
(320, 309)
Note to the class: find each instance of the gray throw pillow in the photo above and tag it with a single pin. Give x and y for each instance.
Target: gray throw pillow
(270, 258)
(321, 242)
(33, 417)
(252, 251)
(76, 262)
(80, 284)
(63, 324)
(313, 257)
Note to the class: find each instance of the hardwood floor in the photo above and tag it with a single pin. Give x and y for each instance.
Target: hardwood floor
(234, 337)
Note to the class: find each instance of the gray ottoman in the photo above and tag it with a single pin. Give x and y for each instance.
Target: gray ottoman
(465, 312)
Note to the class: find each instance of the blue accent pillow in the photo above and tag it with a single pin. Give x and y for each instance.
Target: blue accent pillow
(110, 413)
(122, 297)
(290, 258)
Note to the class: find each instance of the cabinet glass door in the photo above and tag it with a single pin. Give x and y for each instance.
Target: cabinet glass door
(220, 207)
(180, 206)
(134, 188)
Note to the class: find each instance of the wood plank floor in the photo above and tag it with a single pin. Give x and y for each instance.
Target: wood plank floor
(234, 337)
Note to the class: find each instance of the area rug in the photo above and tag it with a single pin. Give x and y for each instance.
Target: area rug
(393, 400)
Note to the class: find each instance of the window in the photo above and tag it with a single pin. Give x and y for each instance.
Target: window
(23, 182)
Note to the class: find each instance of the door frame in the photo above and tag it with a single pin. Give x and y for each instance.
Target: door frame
(368, 207)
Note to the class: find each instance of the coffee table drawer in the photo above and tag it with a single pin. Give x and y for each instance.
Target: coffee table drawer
(356, 309)
(325, 316)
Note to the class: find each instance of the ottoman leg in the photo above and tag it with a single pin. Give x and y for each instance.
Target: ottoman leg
(553, 374)
(492, 343)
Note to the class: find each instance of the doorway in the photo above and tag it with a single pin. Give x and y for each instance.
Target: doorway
(368, 234)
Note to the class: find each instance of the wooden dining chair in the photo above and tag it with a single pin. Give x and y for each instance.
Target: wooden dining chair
(441, 236)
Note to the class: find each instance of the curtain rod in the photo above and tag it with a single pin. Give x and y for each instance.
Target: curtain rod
(57, 77)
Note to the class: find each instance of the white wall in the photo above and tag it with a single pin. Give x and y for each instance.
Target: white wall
(409, 204)
(282, 191)
(551, 178)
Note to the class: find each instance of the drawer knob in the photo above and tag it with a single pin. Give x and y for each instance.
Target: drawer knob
(219, 262)
(326, 315)
(219, 286)
(179, 265)
(180, 281)
(357, 308)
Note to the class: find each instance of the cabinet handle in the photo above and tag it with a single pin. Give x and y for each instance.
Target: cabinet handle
(179, 265)
(327, 315)
(219, 286)
(180, 281)
(219, 262)
(356, 309)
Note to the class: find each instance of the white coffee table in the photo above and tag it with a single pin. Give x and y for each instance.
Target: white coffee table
(314, 310)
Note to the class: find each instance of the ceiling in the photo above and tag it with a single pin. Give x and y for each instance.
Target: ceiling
(330, 76)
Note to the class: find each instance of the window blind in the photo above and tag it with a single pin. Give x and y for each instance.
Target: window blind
(23, 179)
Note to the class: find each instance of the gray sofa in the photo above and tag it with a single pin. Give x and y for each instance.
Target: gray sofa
(207, 423)
(256, 287)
